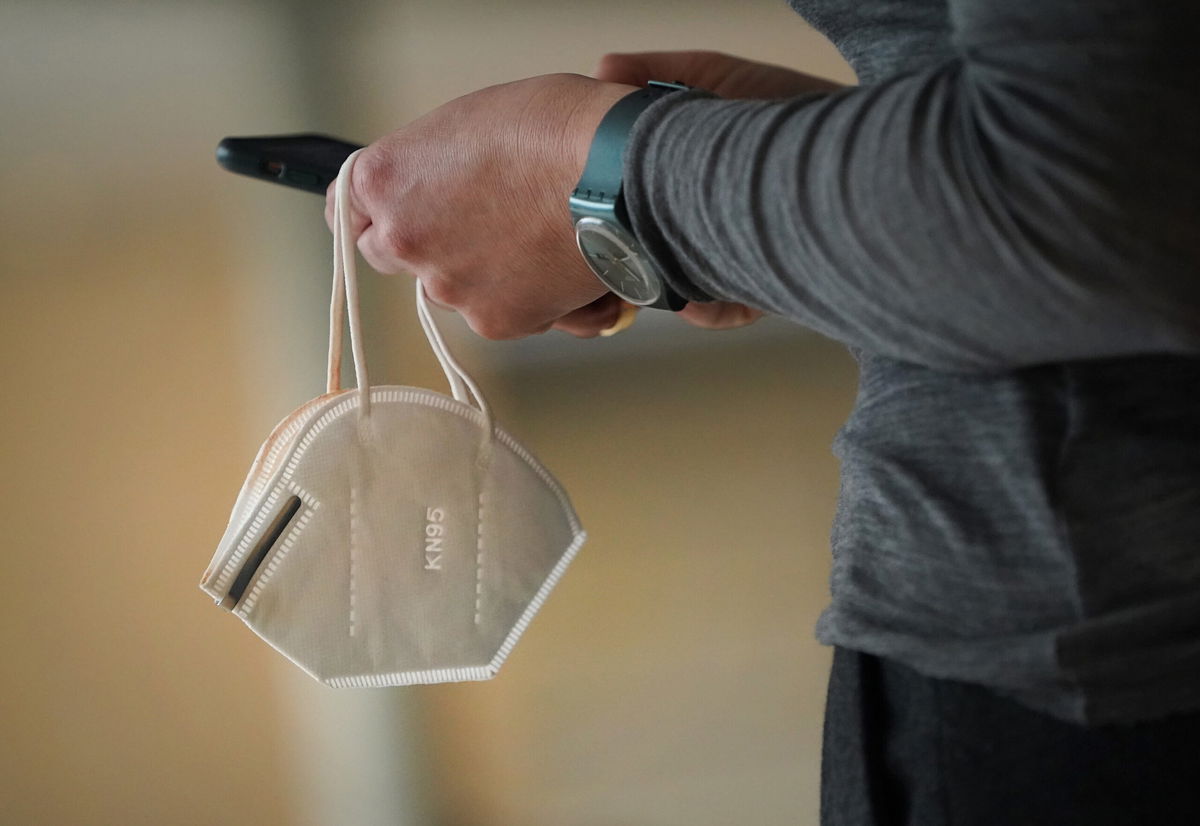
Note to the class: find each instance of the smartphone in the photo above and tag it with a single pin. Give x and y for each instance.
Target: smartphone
(309, 161)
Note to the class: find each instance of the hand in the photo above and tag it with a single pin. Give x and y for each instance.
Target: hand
(728, 77)
(472, 200)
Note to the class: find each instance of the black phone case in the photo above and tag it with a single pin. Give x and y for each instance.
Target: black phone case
(309, 161)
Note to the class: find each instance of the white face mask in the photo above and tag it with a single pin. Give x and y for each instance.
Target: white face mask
(391, 535)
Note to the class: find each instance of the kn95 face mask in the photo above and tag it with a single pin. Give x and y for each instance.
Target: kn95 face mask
(391, 536)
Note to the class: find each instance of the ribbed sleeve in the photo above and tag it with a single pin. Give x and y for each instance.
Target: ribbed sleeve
(1034, 198)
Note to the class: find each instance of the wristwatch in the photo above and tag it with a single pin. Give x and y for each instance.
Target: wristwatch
(602, 226)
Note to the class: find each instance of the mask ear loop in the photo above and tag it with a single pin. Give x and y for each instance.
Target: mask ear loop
(455, 373)
(337, 306)
(457, 388)
(344, 302)
(345, 294)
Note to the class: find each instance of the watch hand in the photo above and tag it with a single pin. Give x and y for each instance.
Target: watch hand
(617, 266)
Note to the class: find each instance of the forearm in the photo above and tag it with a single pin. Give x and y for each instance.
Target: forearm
(1015, 205)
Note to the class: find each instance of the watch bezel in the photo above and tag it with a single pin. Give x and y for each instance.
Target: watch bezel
(620, 236)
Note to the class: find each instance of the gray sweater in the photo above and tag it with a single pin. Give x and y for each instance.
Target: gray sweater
(1002, 222)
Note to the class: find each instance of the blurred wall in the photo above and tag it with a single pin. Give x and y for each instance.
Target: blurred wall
(156, 320)
(159, 316)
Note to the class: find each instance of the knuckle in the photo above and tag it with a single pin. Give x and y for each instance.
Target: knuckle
(485, 328)
(371, 173)
(378, 259)
(330, 203)
(400, 241)
(493, 327)
(444, 292)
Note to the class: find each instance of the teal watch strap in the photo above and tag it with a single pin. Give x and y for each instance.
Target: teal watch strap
(598, 192)
(597, 196)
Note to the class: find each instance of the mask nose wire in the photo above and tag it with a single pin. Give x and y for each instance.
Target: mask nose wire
(344, 302)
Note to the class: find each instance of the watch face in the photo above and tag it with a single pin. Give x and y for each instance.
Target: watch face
(614, 255)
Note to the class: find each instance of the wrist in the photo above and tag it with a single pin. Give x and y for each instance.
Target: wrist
(602, 229)
(584, 119)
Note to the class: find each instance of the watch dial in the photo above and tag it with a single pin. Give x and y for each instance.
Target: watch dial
(613, 256)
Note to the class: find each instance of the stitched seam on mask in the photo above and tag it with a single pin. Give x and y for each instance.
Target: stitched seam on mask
(305, 497)
(277, 558)
(399, 678)
(536, 603)
(334, 413)
(312, 504)
(277, 447)
(475, 416)
(244, 545)
(426, 397)
(251, 534)
(479, 557)
(486, 672)
(545, 476)
(250, 531)
(289, 470)
(430, 399)
(283, 441)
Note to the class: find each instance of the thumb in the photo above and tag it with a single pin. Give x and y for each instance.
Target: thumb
(719, 315)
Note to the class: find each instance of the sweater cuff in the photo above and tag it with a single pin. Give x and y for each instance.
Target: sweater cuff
(640, 158)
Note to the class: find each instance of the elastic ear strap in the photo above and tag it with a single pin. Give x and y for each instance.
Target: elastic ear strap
(434, 336)
(337, 308)
(345, 292)
(344, 302)
(455, 374)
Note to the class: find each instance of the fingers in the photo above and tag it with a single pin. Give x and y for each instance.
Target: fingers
(380, 249)
(719, 315)
(592, 319)
(696, 68)
(633, 69)
(360, 220)
(610, 313)
(330, 203)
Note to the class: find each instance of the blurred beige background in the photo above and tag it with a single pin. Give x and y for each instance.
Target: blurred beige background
(159, 315)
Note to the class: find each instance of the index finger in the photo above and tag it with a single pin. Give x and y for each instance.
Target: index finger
(359, 218)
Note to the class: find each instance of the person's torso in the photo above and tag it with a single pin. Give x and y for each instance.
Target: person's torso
(1037, 530)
